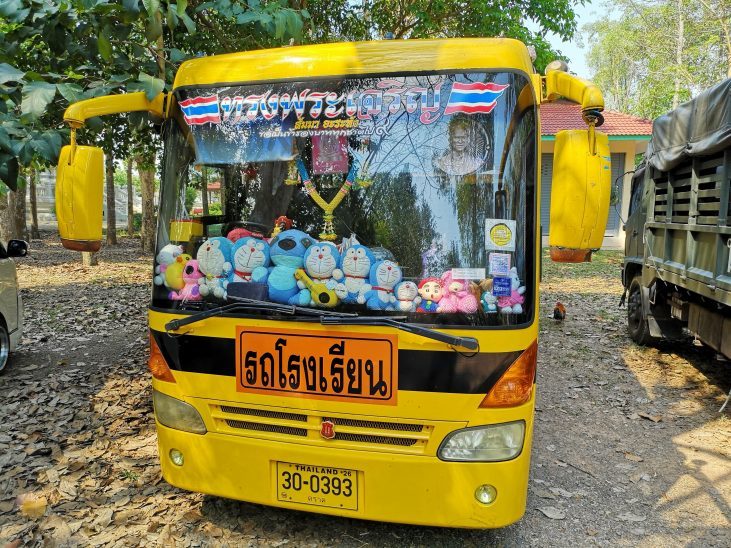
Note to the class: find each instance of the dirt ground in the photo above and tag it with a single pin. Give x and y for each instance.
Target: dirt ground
(629, 447)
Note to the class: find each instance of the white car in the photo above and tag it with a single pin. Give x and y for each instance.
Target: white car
(11, 305)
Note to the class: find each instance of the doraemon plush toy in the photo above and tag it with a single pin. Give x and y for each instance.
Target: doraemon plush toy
(407, 296)
(352, 276)
(383, 278)
(165, 257)
(247, 254)
(214, 262)
(514, 303)
(286, 252)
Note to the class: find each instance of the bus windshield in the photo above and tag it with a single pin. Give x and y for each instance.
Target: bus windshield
(386, 195)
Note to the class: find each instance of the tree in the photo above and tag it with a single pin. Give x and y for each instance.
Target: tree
(650, 55)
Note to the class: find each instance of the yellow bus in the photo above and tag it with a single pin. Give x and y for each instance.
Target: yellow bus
(347, 321)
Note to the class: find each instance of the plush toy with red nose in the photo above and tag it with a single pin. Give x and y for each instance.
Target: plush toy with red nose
(384, 276)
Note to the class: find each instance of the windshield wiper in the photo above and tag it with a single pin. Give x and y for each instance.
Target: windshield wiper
(466, 342)
(243, 304)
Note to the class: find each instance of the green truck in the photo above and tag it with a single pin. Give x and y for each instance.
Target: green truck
(677, 265)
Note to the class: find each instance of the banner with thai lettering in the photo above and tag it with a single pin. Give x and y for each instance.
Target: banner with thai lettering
(270, 122)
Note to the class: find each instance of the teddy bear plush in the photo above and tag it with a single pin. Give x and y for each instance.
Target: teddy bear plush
(407, 296)
(383, 277)
(165, 257)
(247, 254)
(174, 272)
(514, 303)
(191, 289)
(287, 254)
(352, 274)
(431, 291)
(214, 262)
(457, 296)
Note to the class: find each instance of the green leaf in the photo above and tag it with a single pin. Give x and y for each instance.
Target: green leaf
(152, 86)
(182, 4)
(171, 17)
(176, 56)
(4, 140)
(9, 170)
(36, 97)
(104, 45)
(10, 74)
(153, 29)
(151, 6)
(43, 149)
(189, 23)
(131, 6)
(71, 92)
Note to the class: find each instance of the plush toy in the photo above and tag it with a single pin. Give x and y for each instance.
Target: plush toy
(487, 299)
(173, 275)
(383, 277)
(431, 291)
(238, 233)
(246, 255)
(164, 258)
(321, 262)
(287, 252)
(457, 296)
(352, 276)
(407, 296)
(514, 303)
(214, 262)
(191, 289)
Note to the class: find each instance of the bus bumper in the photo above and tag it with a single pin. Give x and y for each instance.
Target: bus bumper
(420, 490)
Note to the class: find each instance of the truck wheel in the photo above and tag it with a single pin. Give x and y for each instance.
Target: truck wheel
(637, 325)
(4, 346)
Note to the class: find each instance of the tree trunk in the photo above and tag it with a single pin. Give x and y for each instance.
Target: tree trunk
(6, 218)
(679, 55)
(89, 259)
(147, 178)
(204, 189)
(111, 202)
(16, 204)
(34, 233)
(130, 200)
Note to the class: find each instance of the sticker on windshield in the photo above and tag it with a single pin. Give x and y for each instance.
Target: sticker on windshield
(468, 273)
(500, 234)
(501, 287)
(499, 264)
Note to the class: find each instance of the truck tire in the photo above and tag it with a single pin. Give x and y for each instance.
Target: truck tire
(637, 325)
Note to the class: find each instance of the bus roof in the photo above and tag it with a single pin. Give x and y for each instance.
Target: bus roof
(355, 58)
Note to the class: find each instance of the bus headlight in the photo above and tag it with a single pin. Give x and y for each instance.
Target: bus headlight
(491, 443)
(177, 414)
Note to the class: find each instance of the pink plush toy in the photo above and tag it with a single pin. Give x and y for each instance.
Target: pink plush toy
(191, 291)
(457, 296)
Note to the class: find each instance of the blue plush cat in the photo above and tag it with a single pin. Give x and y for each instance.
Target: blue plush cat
(384, 276)
(247, 255)
(286, 252)
(352, 276)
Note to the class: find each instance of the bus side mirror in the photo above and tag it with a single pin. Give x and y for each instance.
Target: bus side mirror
(79, 188)
(581, 188)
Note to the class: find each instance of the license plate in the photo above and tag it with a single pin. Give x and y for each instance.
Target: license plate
(352, 367)
(317, 485)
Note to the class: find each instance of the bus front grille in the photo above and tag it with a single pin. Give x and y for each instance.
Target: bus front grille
(349, 433)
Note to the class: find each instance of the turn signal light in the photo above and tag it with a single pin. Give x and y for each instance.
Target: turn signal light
(516, 385)
(157, 364)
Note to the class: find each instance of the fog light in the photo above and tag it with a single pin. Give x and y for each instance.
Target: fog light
(177, 457)
(484, 494)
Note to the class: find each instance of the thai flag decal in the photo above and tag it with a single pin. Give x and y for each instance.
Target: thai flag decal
(474, 98)
(201, 110)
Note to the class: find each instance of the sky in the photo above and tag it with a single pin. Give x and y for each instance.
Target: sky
(572, 50)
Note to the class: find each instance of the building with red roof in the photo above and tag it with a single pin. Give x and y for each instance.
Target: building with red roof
(628, 137)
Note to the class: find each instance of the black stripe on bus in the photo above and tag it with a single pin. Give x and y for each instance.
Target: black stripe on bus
(419, 370)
